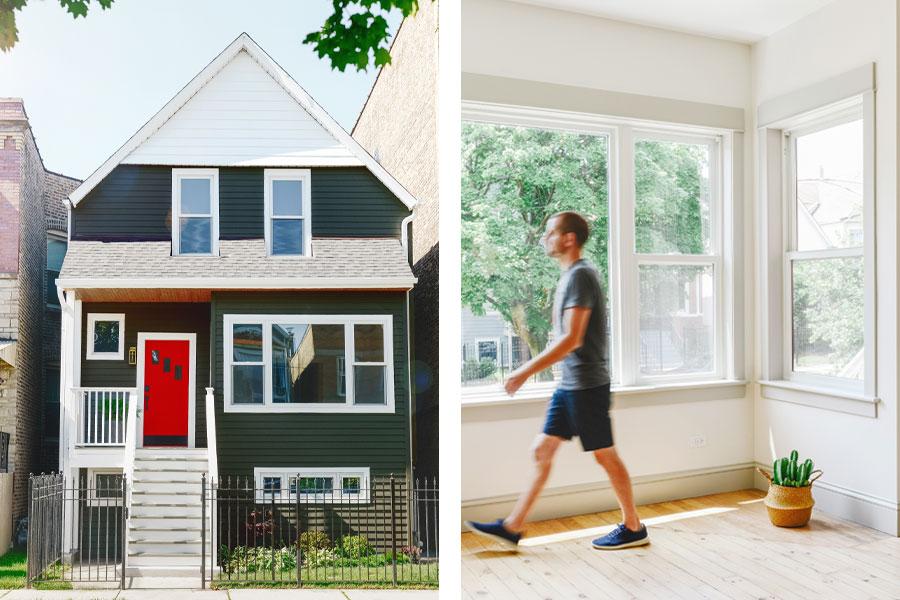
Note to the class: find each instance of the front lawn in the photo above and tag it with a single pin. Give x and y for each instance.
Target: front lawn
(12, 574)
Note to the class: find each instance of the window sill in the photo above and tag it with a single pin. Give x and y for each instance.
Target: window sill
(824, 398)
(310, 408)
(623, 396)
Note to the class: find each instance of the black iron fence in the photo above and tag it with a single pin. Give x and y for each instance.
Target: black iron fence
(76, 530)
(308, 531)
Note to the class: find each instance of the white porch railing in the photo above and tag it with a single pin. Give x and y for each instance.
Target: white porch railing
(102, 415)
(211, 445)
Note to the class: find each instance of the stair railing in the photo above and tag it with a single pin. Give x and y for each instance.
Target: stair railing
(128, 467)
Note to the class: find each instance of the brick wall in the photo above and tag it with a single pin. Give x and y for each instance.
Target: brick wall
(398, 125)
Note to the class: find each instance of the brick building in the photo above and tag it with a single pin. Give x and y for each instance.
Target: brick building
(32, 245)
(398, 126)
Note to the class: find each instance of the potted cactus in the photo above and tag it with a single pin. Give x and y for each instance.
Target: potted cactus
(789, 501)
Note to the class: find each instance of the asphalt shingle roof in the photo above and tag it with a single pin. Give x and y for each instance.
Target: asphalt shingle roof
(332, 260)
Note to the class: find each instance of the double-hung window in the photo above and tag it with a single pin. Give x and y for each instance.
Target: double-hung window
(287, 204)
(309, 363)
(195, 211)
(674, 263)
(824, 269)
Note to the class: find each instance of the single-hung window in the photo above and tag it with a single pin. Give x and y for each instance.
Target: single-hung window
(195, 211)
(287, 205)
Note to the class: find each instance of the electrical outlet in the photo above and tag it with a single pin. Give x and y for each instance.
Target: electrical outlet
(697, 441)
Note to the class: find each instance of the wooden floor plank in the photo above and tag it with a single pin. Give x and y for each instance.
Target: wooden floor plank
(716, 547)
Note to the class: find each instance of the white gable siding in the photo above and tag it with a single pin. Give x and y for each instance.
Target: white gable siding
(242, 117)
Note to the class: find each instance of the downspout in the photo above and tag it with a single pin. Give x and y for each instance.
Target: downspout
(405, 236)
(405, 242)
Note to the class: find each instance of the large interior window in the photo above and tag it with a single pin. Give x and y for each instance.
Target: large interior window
(824, 262)
(315, 363)
(653, 199)
(195, 211)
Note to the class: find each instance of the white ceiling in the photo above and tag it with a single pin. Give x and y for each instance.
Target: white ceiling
(746, 21)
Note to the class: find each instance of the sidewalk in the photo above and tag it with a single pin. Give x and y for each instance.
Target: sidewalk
(246, 594)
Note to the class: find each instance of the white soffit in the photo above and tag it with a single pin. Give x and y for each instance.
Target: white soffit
(745, 21)
(243, 109)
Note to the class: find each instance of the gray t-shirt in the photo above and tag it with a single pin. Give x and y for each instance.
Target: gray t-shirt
(588, 366)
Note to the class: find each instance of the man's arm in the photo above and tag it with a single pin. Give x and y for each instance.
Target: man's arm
(575, 321)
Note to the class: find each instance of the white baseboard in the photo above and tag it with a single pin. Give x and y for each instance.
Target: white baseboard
(844, 503)
(567, 501)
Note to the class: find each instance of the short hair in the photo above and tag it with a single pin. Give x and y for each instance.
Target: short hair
(569, 221)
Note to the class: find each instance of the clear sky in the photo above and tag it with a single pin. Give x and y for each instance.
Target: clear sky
(89, 84)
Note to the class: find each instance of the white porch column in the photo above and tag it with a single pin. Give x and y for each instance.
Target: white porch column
(68, 379)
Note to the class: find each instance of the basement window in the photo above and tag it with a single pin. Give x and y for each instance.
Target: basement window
(323, 485)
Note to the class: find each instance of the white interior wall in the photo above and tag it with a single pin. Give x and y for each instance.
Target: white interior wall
(858, 454)
(553, 46)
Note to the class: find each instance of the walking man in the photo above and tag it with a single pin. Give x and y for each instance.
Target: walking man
(580, 404)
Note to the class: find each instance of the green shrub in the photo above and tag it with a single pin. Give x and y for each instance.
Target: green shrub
(314, 540)
(251, 560)
(320, 557)
(354, 546)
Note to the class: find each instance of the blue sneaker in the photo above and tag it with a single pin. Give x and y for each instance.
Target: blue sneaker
(622, 537)
(496, 531)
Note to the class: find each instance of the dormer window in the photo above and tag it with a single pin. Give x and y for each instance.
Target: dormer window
(287, 200)
(195, 211)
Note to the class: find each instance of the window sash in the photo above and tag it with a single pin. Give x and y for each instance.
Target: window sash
(290, 483)
(347, 321)
(179, 175)
(304, 177)
(92, 320)
(791, 255)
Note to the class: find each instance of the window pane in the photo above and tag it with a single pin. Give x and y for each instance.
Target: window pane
(107, 485)
(828, 317)
(106, 336)
(247, 343)
(56, 252)
(286, 198)
(677, 313)
(513, 179)
(247, 384)
(195, 196)
(350, 485)
(316, 485)
(672, 202)
(369, 385)
(287, 236)
(196, 235)
(304, 365)
(272, 485)
(830, 188)
(487, 351)
(369, 342)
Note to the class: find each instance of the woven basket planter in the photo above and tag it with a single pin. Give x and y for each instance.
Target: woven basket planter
(789, 506)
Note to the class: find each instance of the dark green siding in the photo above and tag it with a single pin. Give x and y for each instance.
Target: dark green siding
(156, 318)
(241, 205)
(134, 202)
(378, 441)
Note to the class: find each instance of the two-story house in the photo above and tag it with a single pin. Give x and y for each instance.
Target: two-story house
(236, 301)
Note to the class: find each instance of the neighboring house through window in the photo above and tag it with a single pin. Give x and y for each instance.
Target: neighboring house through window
(195, 211)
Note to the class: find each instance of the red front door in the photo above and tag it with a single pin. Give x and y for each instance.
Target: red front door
(166, 387)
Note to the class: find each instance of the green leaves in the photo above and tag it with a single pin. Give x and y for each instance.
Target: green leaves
(9, 34)
(355, 31)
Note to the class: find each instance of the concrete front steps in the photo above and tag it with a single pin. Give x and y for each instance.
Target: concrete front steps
(164, 533)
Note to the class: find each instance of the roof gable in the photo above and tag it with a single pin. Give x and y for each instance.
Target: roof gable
(243, 109)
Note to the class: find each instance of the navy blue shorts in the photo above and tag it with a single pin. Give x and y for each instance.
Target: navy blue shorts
(584, 413)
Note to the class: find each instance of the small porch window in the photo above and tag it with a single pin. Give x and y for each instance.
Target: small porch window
(106, 336)
(287, 204)
(195, 211)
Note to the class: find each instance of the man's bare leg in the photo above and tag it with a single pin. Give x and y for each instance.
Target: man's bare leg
(543, 449)
(621, 483)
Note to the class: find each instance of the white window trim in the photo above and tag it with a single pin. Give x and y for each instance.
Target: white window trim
(496, 341)
(726, 241)
(822, 119)
(337, 473)
(99, 501)
(348, 321)
(177, 176)
(92, 319)
(305, 178)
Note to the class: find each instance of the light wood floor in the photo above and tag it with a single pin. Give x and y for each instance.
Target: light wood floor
(717, 547)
